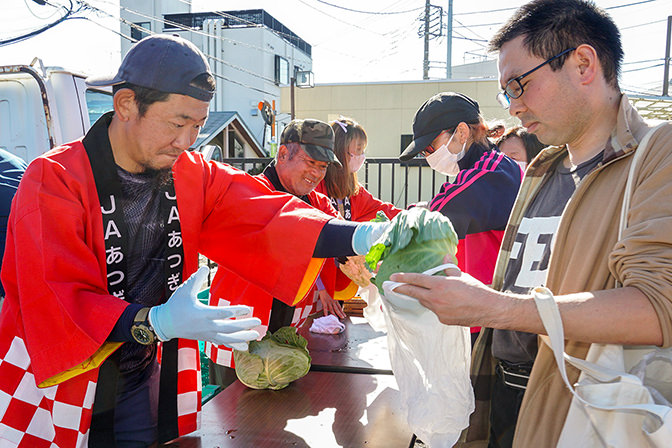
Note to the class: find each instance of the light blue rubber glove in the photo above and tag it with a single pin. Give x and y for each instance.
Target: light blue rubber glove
(366, 234)
(184, 316)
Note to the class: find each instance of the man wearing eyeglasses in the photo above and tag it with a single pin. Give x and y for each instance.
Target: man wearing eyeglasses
(559, 62)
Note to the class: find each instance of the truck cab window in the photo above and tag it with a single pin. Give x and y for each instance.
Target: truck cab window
(98, 103)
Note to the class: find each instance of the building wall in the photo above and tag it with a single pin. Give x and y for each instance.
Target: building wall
(481, 69)
(146, 11)
(386, 110)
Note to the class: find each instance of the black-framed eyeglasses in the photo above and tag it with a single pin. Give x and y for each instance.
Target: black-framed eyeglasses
(514, 88)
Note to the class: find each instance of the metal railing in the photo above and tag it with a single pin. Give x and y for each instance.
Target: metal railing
(401, 183)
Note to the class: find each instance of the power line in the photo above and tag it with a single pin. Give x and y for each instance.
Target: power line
(118, 33)
(643, 68)
(473, 32)
(641, 62)
(479, 25)
(53, 13)
(483, 12)
(629, 4)
(515, 8)
(68, 14)
(379, 13)
(339, 20)
(643, 24)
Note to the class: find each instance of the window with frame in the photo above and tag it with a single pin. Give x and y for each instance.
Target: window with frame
(138, 32)
(281, 70)
(98, 103)
(236, 147)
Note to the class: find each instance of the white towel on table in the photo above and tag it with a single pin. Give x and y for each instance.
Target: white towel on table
(327, 324)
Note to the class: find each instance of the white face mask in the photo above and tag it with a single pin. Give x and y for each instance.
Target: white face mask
(356, 162)
(522, 165)
(444, 161)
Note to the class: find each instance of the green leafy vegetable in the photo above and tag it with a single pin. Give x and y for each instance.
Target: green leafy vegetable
(275, 361)
(380, 217)
(417, 240)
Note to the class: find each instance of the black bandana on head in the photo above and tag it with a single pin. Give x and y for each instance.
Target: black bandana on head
(98, 148)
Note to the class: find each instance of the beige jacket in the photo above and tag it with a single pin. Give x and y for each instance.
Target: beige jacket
(587, 256)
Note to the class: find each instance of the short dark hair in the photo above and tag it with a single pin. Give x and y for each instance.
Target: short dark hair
(145, 97)
(552, 26)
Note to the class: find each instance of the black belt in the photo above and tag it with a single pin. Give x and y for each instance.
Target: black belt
(514, 376)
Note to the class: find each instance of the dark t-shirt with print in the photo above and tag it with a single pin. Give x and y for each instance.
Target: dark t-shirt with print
(532, 250)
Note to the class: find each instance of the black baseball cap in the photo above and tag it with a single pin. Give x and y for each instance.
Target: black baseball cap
(162, 62)
(315, 137)
(444, 110)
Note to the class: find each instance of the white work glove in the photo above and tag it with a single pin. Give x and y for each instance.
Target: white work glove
(367, 233)
(184, 316)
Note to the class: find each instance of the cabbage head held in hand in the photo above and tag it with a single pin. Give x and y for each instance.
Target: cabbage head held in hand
(417, 240)
(274, 362)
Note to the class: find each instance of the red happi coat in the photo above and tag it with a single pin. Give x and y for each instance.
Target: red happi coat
(363, 207)
(57, 312)
(229, 289)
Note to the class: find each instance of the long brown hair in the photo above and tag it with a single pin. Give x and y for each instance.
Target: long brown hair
(339, 181)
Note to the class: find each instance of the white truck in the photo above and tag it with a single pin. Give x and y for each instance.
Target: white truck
(41, 108)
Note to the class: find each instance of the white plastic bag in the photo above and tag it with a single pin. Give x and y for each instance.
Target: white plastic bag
(430, 362)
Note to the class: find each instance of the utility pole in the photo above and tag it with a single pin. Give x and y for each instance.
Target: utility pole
(449, 41)
(425, 62)
(666, 72)
(292, 81)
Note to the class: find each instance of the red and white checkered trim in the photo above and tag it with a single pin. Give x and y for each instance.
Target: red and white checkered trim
(223, 355)
(189, 387)
(60, 416)
(57, 416)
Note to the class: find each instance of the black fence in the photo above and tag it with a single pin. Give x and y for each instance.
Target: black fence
(401, 183)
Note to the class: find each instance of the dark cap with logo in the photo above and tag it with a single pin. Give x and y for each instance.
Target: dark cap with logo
(315, 137)
(442, 111)
(162, 62)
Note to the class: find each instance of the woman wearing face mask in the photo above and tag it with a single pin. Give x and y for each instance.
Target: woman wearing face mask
(449, 131)
(347, 195)
(340, 183)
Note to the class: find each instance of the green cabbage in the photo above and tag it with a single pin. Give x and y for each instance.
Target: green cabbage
(274, 362)
(417, 240)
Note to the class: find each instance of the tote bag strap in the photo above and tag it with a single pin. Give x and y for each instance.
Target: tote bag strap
(627, 195)
(550, 317)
